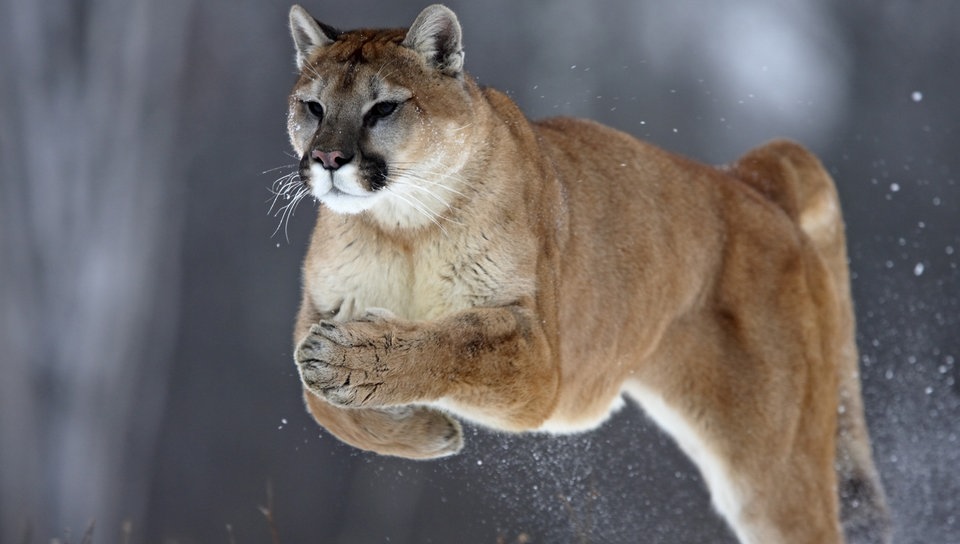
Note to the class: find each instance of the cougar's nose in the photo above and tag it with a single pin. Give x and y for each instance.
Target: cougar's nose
(331, 160)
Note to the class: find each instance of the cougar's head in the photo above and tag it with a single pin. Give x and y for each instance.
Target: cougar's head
(379, 118)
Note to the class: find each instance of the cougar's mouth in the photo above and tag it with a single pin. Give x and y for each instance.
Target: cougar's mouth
(341, 191)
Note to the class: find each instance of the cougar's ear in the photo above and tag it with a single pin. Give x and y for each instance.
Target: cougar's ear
(309, 34)
(435, 35)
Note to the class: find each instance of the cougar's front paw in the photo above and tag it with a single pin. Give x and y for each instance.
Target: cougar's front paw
(344, 363)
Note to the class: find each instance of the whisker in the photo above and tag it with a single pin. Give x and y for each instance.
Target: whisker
(418, 166)
(292, 189)
(418, 176)
(282, 183)
(285, 183)
(421, 172)
(284, 186)
(381, 71)
(434, 214)
(442, 201)
(281, 167)
(314, 71)
(287, 211)
(436, 184)
(419, 206)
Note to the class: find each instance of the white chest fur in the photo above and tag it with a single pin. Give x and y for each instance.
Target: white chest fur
(454, 269)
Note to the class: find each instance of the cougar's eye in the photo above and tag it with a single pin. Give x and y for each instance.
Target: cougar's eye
(314, 108)
(381, 110)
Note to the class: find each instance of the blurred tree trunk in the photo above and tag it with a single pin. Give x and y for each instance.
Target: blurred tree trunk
(89, 234)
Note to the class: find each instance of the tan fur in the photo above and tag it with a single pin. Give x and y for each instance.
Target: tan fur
(530, 274)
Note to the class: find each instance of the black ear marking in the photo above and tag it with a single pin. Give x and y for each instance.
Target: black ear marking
(309, 34)
(436, 36)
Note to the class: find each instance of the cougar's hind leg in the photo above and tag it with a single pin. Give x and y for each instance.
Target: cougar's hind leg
(794, 178)
(750, 391)
(770, 474)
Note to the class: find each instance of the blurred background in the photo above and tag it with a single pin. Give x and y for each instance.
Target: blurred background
(146, 302)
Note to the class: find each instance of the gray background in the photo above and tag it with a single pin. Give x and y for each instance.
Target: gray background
(146, 310)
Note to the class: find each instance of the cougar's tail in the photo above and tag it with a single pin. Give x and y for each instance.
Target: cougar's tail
(793, 178)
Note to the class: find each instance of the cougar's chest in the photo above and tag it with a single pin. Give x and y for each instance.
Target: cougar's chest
(348, 275)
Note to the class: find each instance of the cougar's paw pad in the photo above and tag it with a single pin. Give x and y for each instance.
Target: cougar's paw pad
(330, 331)
(340, 385)
(337, 368)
